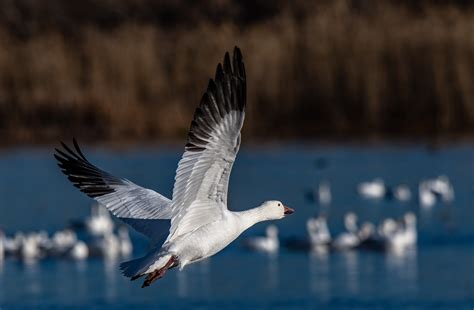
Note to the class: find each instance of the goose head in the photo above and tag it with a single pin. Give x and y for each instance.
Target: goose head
(275, 210)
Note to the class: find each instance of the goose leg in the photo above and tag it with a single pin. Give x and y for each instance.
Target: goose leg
(158, 274)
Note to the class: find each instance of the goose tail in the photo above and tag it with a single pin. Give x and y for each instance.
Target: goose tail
(139, 267)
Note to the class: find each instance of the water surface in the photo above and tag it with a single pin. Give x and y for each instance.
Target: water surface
(438, 275)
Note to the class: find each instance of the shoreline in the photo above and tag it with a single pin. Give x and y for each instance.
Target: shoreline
(430, 142)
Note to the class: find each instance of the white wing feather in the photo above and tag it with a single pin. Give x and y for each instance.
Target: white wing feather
(202, 177)
(123, 198)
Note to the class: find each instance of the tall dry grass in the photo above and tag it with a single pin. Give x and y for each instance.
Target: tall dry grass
(313, 70)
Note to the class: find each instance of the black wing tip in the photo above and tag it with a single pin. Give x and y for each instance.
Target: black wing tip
(224, 94)
(67, 151)
(235, 69)
(81, 173)
(226, 60)
(238, 62)
(219, 72)
(238, 54)
(232, 72)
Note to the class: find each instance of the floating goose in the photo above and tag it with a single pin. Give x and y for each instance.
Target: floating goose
(403, 236)
(411, 235)
(372, 190)
(30, 251)
(442, 187)
(201, 224)
(402, 193)
(63, 241)
(350, 238)
(391, 235)
(388, 228)
(269, 243)
(324, 193)
(99, 223)
(366, 232)
(126, 246)
(426, 197)
(12, 246)
(79, 251)
(318, 231)
(109, 246)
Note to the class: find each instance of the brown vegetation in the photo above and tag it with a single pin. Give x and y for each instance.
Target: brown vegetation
(338, 68)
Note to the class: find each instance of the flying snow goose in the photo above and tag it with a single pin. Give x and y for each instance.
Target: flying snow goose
(201, 224)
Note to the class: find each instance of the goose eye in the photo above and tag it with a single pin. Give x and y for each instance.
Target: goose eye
(279, 204)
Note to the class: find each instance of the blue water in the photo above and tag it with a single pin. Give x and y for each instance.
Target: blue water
(438, 275)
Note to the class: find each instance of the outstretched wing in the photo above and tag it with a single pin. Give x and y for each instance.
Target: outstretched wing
(123, 198)
(202, 177)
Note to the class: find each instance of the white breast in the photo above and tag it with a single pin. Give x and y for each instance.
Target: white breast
(207, 240)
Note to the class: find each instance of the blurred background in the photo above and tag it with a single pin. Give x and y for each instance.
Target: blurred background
(116, 70)
(354, 107)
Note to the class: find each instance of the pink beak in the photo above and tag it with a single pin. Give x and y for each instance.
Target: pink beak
(288, 211)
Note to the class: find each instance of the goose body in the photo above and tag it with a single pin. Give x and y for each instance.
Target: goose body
(200, 223)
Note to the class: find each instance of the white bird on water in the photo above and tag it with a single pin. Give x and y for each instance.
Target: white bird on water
(30, 250)
(318, 231)
(324, 193)
(443, 187)
(373, 189)
(201, 224)
(269, 243)
(63, 241)
(79, 250)
(402, 193)
(99, 223)
(126, 246)
(403, 236)
(349, 239)
(426, 197)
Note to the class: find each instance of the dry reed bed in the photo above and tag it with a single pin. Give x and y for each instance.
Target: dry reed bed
(334, 72)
